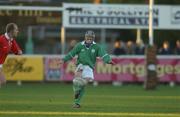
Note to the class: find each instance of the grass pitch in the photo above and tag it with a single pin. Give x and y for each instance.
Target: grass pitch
(56, 99)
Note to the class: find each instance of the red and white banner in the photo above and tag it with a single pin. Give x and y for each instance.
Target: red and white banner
(127, 69)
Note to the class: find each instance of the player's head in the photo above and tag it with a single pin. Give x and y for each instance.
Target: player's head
(89, 36)
(12, 29)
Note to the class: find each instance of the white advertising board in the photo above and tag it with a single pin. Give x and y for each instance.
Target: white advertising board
(115, 16)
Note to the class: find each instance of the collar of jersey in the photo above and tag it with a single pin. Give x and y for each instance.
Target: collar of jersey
(7, 37)
(84, 42)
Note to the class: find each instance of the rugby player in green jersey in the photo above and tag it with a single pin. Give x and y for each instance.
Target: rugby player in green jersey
(87, 52)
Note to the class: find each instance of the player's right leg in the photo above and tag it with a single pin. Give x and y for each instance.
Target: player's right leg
(78, 90)
(85, 75)
(2, 77)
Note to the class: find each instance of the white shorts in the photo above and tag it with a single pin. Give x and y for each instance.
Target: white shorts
(1, 65)
(87, 72)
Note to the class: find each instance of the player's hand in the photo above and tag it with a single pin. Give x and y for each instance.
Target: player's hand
(112, 62)
(19, 52)
(60, 62)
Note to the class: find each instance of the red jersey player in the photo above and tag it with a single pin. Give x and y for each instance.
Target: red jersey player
(8, 44)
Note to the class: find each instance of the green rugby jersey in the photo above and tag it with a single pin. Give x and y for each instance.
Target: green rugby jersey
(87, 56)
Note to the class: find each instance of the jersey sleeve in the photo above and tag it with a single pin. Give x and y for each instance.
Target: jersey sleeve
(15, 47)
(0, 42)
(72, 53)
(102, 53)
(4, 49)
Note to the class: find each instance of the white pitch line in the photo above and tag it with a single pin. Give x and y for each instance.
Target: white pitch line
(90, 113)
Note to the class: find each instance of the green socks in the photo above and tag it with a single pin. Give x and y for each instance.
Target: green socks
(78, 93)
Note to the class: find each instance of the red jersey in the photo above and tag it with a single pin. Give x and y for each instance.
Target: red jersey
(7, 45)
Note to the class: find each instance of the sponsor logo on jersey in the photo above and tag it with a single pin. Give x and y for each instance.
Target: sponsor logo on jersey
(93, 50)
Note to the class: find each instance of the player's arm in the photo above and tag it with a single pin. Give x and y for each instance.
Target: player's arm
(72, 53)
(0, 42)
(105, 57)
(15, 48)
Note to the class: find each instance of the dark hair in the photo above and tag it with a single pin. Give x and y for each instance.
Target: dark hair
(90, 33)
(10, 27)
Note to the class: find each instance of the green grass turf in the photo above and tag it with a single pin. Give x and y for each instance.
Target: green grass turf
(55, 100)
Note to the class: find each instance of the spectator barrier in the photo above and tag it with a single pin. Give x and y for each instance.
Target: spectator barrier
(127, 69)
